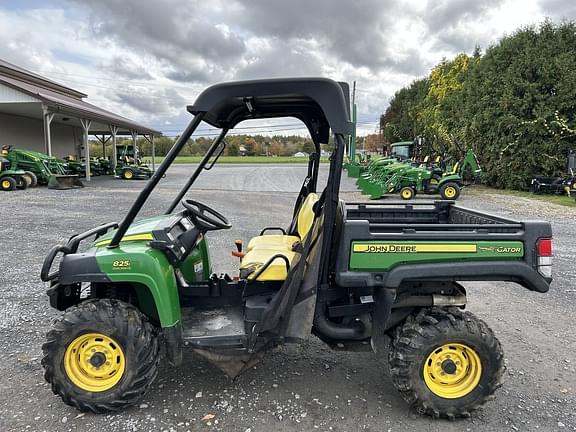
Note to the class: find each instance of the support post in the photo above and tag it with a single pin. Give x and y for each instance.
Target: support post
(113, 132)
(47, 116)
(151, 141)
(86, 126)
(153, 153)
(134, 137)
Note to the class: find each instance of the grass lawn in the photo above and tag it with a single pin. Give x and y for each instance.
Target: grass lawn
(239, 159)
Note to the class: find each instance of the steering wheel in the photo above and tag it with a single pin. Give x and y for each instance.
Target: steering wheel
(204, 217)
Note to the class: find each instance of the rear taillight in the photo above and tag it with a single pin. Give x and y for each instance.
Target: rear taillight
(544, 250)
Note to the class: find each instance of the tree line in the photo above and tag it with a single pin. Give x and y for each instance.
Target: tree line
(514, 104)
(237, 145)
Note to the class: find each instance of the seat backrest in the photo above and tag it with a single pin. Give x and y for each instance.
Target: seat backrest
(305, 218)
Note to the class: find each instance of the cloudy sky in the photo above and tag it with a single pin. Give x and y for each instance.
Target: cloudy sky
(147, 59)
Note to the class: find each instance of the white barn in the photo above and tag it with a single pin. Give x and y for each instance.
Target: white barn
(41, 115)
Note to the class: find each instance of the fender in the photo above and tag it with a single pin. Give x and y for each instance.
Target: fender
(450, 178)
(147, 269)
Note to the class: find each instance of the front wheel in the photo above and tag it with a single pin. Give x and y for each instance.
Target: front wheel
(407, 193)
(101, 356)
(127, 174)
(8, 183)
(445, 363)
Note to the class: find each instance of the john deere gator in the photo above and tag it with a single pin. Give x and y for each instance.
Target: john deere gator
(357, 275)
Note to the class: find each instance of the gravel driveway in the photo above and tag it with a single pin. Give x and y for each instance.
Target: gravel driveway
(295, 388)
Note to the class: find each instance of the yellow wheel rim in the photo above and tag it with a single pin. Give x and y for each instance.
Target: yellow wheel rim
(5, 184)
(94, 362)
(406, 194)
(128, 174)
(450, 192)
(452, 371)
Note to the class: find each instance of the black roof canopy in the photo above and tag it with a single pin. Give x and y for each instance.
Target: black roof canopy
(320, 103)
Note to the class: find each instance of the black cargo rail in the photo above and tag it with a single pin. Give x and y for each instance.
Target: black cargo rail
(71, 247)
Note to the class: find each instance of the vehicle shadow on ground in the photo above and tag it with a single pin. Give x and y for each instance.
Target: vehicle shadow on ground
(306, 386)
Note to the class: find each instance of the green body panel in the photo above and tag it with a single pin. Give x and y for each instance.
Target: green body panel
(450, 178)
(141, 226)
(136, 262)
(11, 173)
(385, 255)
(197, 267)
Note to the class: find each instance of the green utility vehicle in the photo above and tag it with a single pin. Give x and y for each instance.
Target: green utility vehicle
(350, 273)
(41, 168)
(129, 166)
(11, 179)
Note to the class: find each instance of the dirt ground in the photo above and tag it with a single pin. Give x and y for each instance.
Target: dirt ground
(295, 388)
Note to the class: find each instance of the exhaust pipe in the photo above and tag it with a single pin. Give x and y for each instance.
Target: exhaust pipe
(431, 300)
(356, 330)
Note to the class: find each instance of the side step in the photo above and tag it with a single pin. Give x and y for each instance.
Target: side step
(215, 327)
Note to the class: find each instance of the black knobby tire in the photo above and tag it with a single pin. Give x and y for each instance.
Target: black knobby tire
(448, 187)
(33, 180)
(126, 325)
(8, 183)
(425, 332)
(21, 183)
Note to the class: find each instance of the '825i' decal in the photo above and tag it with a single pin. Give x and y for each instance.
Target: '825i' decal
(121, 265)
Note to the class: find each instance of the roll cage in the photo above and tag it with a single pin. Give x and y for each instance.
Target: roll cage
(321, 104)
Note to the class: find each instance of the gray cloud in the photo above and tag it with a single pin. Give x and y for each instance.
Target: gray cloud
(157, 102)
(446, 14)
(125, 68)
(174, 31)
(353, 31)
(185, 45)
(559, 9)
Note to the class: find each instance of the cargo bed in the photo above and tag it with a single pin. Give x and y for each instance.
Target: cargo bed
(436, 241)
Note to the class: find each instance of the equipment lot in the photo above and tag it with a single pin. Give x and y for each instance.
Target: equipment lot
(308, 387)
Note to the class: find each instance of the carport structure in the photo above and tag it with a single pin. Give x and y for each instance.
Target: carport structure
(27, 95)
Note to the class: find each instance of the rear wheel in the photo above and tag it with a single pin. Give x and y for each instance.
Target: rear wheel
(407, 193)
(450, 191)
(21, 183)
(127, 174)
(102, 355)
(31, 179)
(445, 363)
(8, 183)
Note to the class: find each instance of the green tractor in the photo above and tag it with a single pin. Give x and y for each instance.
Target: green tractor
(11, 179)
(41, 168)
(359, 276)
(408, 179)
(129, 166)
(98, 166)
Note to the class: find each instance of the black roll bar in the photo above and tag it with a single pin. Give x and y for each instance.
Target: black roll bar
(145, 193)
(198, 170)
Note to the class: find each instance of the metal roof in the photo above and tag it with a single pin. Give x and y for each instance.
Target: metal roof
(63, 100)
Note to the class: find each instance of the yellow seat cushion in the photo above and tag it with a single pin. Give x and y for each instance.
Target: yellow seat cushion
(273, 241)
(304, 221)
(276, 271)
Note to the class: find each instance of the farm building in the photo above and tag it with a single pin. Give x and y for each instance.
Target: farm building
(42, 115)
